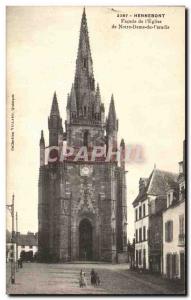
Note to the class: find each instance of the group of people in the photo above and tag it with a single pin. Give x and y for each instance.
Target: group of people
(95, 280)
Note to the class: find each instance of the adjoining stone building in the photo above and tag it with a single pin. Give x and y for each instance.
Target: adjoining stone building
(174, 228)
(148, 207)
(82, 203)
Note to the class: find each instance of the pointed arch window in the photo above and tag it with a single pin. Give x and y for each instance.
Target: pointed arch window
(84, 62)
(86, 134)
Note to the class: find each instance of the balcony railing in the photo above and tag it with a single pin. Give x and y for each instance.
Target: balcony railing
(181, 239)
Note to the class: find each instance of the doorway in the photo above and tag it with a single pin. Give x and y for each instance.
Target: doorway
(85, 240)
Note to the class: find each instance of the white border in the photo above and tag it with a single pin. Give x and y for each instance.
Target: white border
(3, 4)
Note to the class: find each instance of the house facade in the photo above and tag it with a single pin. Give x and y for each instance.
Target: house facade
(23, 243)
(27, 242)
(174, 229)
(148, 208)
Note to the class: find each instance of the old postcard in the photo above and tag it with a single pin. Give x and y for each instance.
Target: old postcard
(96, 150)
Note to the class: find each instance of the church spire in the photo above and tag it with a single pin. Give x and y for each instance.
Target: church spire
(84, 78)
(54, 108)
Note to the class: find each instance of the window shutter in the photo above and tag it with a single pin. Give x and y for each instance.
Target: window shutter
(171, 230)
(177, 264)
(166, 232)
(170, 255)
(173, 265)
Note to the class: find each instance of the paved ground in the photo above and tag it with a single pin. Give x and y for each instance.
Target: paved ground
(64, 279)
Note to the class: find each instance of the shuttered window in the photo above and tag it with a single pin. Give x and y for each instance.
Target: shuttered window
(136, 215)
(140, 212)
(140, 234)
(137, 257)
(136, 235)
(169, 231)
(144, 233)
(140, 257)
(177, 264)
(181, 224)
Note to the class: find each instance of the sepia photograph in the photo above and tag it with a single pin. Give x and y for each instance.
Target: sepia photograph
(96, 150)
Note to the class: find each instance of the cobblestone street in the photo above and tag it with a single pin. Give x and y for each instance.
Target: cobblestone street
(64, 279)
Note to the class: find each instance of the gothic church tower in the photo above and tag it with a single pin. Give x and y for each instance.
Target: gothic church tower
(82, 203)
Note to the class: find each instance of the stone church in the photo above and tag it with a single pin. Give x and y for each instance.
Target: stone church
(82, 213)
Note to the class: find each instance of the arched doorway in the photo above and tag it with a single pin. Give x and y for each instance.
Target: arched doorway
(85, 240)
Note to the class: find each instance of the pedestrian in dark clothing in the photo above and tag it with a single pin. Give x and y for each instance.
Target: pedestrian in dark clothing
(93, 277)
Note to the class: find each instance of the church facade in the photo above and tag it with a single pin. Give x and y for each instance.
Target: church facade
(82, 210)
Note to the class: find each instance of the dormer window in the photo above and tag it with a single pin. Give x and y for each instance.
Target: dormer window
(170, 197)
(168, 200)
(181, 167)
(182, 193)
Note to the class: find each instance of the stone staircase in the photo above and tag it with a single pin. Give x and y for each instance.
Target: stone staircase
(70, 282)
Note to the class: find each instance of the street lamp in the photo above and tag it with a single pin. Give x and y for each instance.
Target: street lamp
(11, 210)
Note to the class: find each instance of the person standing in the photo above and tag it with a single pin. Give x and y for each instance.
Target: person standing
(93, 277)
(82, 281)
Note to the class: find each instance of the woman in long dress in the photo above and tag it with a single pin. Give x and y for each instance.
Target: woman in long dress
(82, 281)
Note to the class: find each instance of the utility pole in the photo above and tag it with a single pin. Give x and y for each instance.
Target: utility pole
(16, 241)
(11, 209)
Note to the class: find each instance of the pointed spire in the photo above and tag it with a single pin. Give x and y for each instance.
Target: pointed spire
(42, 142)
(122, 144)
(84, 33)
(73, 107)
(84, 78)
(54, 108)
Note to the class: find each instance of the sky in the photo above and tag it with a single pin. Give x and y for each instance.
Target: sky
(144, 69)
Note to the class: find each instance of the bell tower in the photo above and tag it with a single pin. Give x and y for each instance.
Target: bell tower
(85, 124)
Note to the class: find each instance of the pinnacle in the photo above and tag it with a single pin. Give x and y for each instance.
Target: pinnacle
(54, 108)
(98, 96)
(112, 108)
(73, 99)
(42, 142)
(98, 89)
(112, 99)
(122, 144)
(68, 101)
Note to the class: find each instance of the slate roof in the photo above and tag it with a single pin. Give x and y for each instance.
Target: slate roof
(157, 184)
(27, 240)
